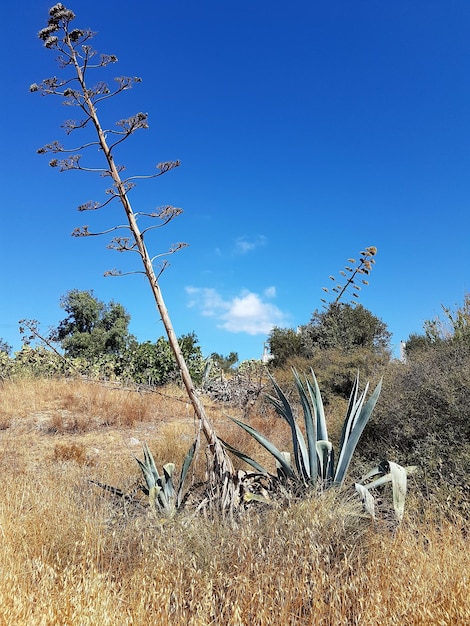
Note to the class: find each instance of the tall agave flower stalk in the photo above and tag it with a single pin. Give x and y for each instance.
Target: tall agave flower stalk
(351, 276)
(78, 56)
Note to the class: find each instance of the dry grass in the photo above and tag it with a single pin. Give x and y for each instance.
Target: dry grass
(69, 555)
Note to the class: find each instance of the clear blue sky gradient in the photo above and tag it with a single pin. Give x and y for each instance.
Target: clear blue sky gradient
(307, 130)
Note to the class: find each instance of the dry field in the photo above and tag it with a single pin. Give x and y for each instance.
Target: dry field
(69, 555)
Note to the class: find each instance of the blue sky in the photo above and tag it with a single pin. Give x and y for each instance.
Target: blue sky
(306, 130)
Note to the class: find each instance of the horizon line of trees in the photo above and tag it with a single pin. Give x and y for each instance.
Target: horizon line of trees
(95, 338)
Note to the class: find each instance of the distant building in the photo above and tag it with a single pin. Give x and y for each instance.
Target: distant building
(266, 355)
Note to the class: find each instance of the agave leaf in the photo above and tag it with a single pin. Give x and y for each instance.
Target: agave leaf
(310, 429)
(352, 405)
(359, 404)
(399, 486)
(303, 464)
(318, 409)
(287, 456)
(150, 461)
(350, 420)
(152, 477)
(114, 490)
(325, 454)
(398, 476)
(322, 431)
(280, 472)
(168, 471)
(153, 496)
(367, 499)
(148, 467)
(188, 459)
(284, 409)
(378, 469)
(378, 482)
(270, 447)
(244, 457)
(349, 445)
(148, 474)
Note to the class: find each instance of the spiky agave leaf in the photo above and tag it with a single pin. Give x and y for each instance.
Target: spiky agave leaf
(284, 409)
(148, 467)
(326, 458)
(351, 407)
(399, 486)
(315, 394)
(353, 411)
(349, 445)
(244, 457)
(153, 478)
(168, 488)
(310, 428)
(188, 459)
(280, 471)
(153, 496)
(270, 447)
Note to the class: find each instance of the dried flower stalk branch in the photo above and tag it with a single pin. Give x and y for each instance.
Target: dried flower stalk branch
(76, 54)
(352, 274)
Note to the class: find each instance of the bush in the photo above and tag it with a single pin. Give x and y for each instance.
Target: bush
(336, 370)
(424, 417)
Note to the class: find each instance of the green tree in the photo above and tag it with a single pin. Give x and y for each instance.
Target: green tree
(341, 327)
(225, 363)
(284, 344)
(92, 328)
(155, 364)
(345, 327)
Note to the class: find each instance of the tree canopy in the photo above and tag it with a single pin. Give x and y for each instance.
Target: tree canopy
(340, 327)
(345, 327)
(92, 328)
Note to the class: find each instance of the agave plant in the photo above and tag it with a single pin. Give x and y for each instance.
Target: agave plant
(163, 497)
(387, 472)
(314, 456)
(314, 460)
(159, 487)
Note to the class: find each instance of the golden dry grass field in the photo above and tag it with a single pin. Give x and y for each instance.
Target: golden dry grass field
(70, 555)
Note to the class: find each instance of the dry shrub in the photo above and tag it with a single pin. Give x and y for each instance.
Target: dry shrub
(23, 396)
(422, 418)
(100, 404)
(75, 405)
(71, 452)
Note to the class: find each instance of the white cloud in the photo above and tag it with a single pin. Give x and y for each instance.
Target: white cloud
(244, 244)
(206, 299)
(246, 313)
